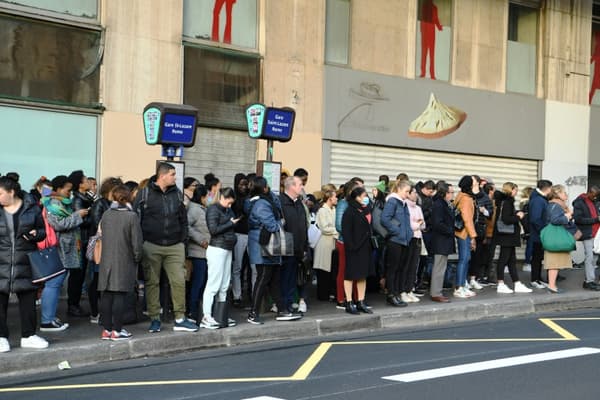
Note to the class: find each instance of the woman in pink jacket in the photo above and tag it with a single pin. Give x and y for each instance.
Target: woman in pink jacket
(417, 224)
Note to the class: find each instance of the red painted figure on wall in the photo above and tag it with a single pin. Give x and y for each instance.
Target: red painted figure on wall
(216, 14)
(595, 59)
(429, 21)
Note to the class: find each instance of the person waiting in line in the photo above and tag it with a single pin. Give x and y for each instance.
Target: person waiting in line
(220, 221)
(21, 227)
(465, 237)
(189, 185)
(587, 219)
(508, 241)
(538, 202)
(524, 206)
(213, 185)
(442, 238)
(379, 193)
(199, 236)
(395, 218)
(558, 213)
(240, 185)
(325, 222)
(358, 234)
(121, 253)
(415, 247)
(484, 208)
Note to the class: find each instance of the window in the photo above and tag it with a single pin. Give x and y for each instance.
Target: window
(87, 9)
(46, 62)
(337, 32)
(595, 54)
(522, 48)
(220, 84)
(434, 39)
(224, 21)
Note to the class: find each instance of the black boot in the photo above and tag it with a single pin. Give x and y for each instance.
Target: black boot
(351, 308)
(221, 314)
(362, 307)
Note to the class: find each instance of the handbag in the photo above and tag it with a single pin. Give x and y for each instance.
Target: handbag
(459, 223)
(281, 243)
(555, 238)
(304, 271)
(503, 227)
(94, 247)
(314, 234)
(45, 264)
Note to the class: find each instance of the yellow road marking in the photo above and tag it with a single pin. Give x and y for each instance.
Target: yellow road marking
(313, 360)
(558, 329)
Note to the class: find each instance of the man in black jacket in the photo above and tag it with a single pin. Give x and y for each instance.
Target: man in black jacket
(165, 228)
(296, 222)
(585, 213)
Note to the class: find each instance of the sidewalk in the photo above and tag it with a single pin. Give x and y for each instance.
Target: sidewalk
(81, 345)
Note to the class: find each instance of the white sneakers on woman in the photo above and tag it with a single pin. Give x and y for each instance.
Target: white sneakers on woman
(519, 288)
(4, 345)
(34, 342)
(463, 292)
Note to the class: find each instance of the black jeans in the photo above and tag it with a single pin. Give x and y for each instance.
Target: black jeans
(412, 262)
(75, 285)
(267, 275)
(537, 256)
(93, 293)
(113, 307)
(507, 257)
(479, 258)
(26, 312)
(396, 258)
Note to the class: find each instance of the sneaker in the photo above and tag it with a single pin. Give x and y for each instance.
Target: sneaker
(460, 292)
(413, 297)
(591, 285)
(302, 306)
(526, 267)
(538, 285)
(123, 334)
(94, 319)
(467, 285)
(208, 322)
(340, 306)
(4, 345)
(105, 334)
(475, 285)
(254, 319)
(502, 288)
(231, 322)
(186, 326)
(287, 316)
(34, 342)
(55, 326)
(154, 326)
(274, 309)
(406, 298)
(469, 292)
(521, 288)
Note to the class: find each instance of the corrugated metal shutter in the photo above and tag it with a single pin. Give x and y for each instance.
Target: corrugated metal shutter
(347, 160)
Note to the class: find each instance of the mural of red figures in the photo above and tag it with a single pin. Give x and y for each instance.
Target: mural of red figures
(215, 24)
(429, 22)
(595, 59)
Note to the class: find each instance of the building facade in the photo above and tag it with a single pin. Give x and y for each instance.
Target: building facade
(76, 75)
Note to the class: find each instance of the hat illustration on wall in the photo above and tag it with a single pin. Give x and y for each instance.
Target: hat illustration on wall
(438, 120)
(369, 91)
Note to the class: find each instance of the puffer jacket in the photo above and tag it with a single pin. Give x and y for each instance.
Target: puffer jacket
(218, 220)
(15, 269)
(99, 207)
(198, 230)
(82, 201)
(296, 222)
(67, 231)
(163, 214)
(396, 219)
(263, 211)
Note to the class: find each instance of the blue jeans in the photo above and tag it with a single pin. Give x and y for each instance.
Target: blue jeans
(50, 296)
(289, 280)
(464, 256)
(199, 275)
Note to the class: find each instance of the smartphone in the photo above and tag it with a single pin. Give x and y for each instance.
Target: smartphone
(28, 236)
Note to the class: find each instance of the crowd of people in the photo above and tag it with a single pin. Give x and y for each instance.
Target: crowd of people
(198, 251)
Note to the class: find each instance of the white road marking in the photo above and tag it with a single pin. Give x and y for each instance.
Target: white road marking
(263, 398)
(492, 364)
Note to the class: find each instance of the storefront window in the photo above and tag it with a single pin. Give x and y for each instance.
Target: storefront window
(75, 8)
(522, 48)
(337, 32)
(434, 39)
(224, 21)
(47, 62)
(220, 84)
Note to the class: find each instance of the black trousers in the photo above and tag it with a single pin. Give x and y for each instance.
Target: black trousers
(267, 275)
(395, 273)
(75, 285)
(26, 312)
(409, 276)
(93, 294)
(479, 258)
(112, 308)
(507, 257)
(537, 256)
(325, 284)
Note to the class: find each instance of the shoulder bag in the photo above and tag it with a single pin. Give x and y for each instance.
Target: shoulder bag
(45, 261)
(281, 243)
(503, 227)
(555, 238)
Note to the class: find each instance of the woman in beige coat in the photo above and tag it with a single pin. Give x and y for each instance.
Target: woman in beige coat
(325, 246)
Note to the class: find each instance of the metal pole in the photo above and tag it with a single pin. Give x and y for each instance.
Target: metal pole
(269, 150)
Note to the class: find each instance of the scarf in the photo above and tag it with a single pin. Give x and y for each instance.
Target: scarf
(62, 209)
(593, 213)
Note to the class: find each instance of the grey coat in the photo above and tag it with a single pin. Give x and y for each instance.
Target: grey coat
(69, 240)
(121, 250)
(198, 230)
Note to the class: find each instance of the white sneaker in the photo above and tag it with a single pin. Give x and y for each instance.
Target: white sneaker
(475, 285)
(526, 267)
(34, 342)
(460, 292)
(406, 298)
(467, 285)
(4, 345)
(209, 322)
(469, 292)
(502, 288)
(506, 271)
(538, 285)
(520, 288)
(274, 309)
(414, 298)
(302, 306)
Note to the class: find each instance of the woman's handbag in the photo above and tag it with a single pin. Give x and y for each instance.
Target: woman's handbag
(45, 264)
(555, 238)
(314, 234)
(459, 223)
(503, 227)
(94, 247)
(281, 243)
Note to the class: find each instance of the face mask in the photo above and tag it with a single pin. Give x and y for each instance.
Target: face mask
(365, 201)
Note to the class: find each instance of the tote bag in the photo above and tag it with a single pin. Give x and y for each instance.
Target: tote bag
(45, 264)
(281, 243)
(555, 238)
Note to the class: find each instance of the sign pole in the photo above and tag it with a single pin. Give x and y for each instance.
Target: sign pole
(269, 150)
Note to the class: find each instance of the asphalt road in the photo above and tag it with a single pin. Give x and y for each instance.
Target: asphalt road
(551, 357)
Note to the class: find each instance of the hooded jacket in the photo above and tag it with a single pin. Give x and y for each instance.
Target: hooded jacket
(395, 218)
(536, 215)
(586, 221)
